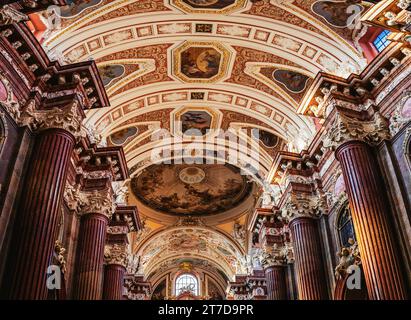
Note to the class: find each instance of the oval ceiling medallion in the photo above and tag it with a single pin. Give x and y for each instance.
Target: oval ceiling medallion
(192, 175)
(181, 189)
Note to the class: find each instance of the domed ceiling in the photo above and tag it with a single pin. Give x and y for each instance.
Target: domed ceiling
(191, 189)
(191, 69)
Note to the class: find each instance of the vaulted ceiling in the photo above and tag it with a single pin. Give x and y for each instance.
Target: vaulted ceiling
(173, 65)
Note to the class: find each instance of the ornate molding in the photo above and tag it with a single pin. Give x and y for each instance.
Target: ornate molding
(346, 129)
(115, 230)
(116, 254)
(9, 15)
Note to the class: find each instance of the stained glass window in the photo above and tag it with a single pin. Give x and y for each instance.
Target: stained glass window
(381, 42)
(345, 227)
(186, 282)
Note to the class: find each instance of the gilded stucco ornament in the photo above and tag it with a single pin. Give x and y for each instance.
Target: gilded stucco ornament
(133, 264)
(116, 254)
(73, 197)
(9, 15)
(348, 256)
(303, 206)
(67, 118)
(99, 201)
(399, 118)
(346, 129)
(271, 258)
(59, 252)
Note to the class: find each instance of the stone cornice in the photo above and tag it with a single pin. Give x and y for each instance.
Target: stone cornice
(116, 254)
(345, 129)
(51, 83)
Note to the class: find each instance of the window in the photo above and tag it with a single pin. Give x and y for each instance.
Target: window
(345, 227)
(186, 282)
(381, 42)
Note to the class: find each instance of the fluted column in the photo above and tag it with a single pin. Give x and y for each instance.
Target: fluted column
(116, 258)
(276, 282)
(311, 279)
(35, 226)
(353, 140)
(92, 238)
(302, 211)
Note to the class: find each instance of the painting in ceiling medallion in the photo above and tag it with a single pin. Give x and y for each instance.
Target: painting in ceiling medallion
(75, 7)
(268, 139)
(182, 189)
(121, 137)
(209, 6)
(294, 82)
(201, 62)
(340, 14)
(195, 121)
(109, 73)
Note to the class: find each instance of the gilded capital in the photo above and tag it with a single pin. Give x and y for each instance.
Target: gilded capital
(98, 201)
(273, 258)
(67, 118)
(116, 254)
(74, 197)
(302, 206)
(346, 129)
(9, 15)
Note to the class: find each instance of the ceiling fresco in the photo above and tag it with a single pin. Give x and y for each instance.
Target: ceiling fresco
(193, 190)
(192, 243)
(186, 69)
(209, 6)
(201, 62)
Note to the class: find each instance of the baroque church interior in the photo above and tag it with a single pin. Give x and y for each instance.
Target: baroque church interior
(205, 149)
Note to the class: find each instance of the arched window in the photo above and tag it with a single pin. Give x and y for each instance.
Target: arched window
(186, 283)
(381, 41)
(345, 226)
